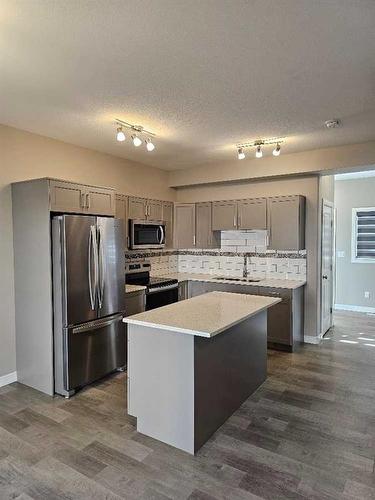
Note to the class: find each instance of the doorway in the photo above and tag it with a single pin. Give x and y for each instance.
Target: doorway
(327, 275)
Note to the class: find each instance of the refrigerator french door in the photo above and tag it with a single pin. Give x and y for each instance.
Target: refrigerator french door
(89, 299)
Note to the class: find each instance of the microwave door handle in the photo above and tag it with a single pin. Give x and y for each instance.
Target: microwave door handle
(161, 235)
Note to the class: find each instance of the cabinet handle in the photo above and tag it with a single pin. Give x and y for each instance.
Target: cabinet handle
(194, 240)
(87, 200)
(83, 200)
(239, 221)
(234, 220)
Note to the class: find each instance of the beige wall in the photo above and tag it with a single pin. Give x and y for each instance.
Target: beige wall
(328, 160)
(352, 279)
(25, 156)
(307, 186)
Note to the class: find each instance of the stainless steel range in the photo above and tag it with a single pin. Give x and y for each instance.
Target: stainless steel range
(159, 291)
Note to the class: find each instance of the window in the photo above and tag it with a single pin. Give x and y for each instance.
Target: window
(363, 235)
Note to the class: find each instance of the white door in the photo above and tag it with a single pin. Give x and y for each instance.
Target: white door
(327, 267)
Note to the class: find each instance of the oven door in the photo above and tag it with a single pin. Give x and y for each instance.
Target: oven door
(161, 297)
(146, 234)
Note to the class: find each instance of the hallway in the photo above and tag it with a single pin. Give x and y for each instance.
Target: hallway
(309, 432)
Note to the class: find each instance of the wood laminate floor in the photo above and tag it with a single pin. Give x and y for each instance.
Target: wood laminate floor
(308, 432)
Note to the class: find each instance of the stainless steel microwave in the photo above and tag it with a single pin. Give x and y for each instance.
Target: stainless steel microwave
(146, 234)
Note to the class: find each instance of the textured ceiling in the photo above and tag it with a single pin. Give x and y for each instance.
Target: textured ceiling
(202, 74)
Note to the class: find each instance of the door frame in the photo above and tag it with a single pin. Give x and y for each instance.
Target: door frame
(329, 204)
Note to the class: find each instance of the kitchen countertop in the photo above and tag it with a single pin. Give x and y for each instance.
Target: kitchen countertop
(271, 283)
(134, 288)
(205, 315)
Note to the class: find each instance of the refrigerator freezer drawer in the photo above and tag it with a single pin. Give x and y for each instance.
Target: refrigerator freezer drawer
(93, 350)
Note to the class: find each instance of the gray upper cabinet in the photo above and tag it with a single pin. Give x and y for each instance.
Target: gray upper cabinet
(69, 197)
(184, 225)
(224, 215)
(204, 235)
(252, 213)
(137, 208)
(286, 222)
(121, 212)
(167, 216)
(100, 201)
(154, 210)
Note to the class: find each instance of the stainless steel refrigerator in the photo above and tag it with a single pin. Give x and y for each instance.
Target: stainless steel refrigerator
(89, 299)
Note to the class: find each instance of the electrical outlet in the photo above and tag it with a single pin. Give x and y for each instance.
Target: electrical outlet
(340, 254)
(367, 295)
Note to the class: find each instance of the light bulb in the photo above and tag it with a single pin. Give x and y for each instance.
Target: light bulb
(259, 152)
(136, 140)
(120, 135)
(276, 151)
(241, 154)
(150, 145)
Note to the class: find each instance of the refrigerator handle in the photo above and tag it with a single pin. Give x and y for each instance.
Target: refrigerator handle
(101, 269)
(91, 252)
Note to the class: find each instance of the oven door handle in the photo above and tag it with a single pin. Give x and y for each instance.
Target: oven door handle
(161, 289)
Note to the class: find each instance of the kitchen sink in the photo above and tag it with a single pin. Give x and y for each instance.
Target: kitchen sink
(246, 280)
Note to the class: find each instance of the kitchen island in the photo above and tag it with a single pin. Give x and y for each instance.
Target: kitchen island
(191, 364)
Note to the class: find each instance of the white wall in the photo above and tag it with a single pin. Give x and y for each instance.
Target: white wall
(25, 156)
(352, 279)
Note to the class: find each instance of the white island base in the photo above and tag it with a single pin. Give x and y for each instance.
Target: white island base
(183, 384)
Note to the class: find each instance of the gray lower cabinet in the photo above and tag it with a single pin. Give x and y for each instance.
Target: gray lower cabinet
(184, 225)
(135, 302)
(183, 290)
(285, 319)
(286, 222)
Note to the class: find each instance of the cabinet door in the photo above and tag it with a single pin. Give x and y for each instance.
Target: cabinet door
(184, 225)
(137, 208)
(154, 210)
(224, 215)
(286, 222)
(168, 218)
(204, 236)
(100, 201)
(252, 214)
(67, 197)
(121, 212)
(279, 316)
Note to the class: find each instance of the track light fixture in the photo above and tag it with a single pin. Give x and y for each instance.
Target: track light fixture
(259, 152)
(276, 151)
(258, 145)
(136, 140)
(241, 154)
(150, 146)
(120, 136)
(138, 130)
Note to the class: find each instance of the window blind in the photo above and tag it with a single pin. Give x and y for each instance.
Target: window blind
(365, 234)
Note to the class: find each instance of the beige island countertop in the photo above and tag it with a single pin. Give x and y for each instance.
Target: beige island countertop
(285, 284)
(205, 315)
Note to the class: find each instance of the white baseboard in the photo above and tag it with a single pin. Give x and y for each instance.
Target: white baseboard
(309, 339)
(9, 378)
(363, 309)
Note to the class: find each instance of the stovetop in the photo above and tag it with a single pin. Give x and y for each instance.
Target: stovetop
(157, 282)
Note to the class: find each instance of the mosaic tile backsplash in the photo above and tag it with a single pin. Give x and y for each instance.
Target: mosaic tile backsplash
(238, 249)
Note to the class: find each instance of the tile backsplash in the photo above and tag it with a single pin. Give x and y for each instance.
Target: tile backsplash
(238, 249)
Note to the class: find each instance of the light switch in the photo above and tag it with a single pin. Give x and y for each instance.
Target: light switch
(341, 254)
